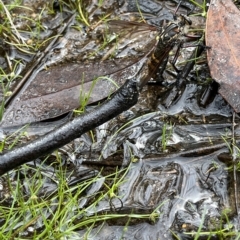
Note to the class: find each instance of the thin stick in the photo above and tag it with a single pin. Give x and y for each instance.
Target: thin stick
(124, 98)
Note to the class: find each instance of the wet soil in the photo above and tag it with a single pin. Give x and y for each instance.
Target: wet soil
(182, 164)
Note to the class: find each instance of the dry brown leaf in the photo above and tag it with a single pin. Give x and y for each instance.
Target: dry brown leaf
(223, 36)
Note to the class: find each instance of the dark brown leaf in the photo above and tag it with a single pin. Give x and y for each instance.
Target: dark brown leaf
(57, 90)
(223, 36)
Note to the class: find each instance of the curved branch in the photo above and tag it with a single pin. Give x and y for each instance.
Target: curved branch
(124, 98)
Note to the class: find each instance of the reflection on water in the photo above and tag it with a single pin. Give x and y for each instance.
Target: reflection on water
(191, 185)
(190, 194)
(177, 169)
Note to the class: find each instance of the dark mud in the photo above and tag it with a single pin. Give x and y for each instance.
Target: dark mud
(182, 166)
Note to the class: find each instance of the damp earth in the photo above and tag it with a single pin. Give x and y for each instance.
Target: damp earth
(172, 158)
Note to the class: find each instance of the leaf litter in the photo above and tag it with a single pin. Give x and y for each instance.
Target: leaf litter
(182, 181)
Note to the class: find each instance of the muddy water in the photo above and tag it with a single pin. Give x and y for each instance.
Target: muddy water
(183, 189)
(188, 179)
(181, 167)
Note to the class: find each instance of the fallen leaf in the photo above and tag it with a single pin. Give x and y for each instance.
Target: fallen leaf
(45, 94)
(58, 90)
(223, 38)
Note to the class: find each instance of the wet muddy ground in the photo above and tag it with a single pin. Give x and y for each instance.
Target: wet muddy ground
(173, 143)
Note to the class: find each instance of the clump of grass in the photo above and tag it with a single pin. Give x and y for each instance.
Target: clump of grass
(13, 139)
(26, 209)
(8, 25)
(85, 96)
(202, 6)
(5, 82)
(11, 35)
(224, 229)
(80, 7)
(166, 134)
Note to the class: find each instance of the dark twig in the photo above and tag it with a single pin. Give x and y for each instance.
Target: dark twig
(181, 76)
(189, 66)
(122, 100)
